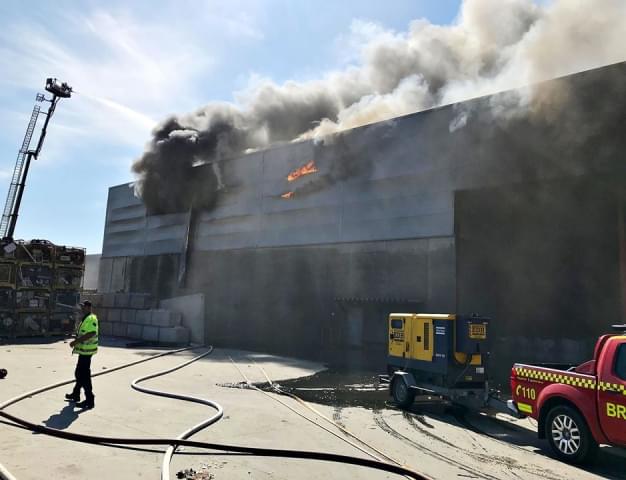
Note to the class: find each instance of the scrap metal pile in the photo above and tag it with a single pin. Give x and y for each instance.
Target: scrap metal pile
(39, 287)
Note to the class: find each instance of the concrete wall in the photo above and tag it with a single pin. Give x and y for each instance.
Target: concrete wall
(376, 221)
(542, 260)
(299, 300)
(92, 272)
(391, 180)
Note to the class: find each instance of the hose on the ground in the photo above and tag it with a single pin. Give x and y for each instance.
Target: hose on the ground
(175, 442)
(275, 388)
(5, 474)
(21, 397)
(278, 390)
(167, 458)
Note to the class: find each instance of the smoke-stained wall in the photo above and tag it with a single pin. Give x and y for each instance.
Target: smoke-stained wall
(549, 275)
(375, 219)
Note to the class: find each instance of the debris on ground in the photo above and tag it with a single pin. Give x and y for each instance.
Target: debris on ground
(191, 474)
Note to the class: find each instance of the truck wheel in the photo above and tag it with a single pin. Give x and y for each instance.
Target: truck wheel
(401, 393)
(569, 435)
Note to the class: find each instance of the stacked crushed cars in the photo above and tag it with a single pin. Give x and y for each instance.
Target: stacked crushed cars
(40, 286)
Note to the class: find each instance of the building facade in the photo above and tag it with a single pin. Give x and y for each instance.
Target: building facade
(511, 206)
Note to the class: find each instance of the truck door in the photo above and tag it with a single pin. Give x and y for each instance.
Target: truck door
(399, 334)
(612, 390)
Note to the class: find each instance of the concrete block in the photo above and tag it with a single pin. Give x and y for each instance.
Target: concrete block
(97, 299)
(143, 317)
(193, 311)
(128, 315)
(102, 314)
(165, 318)
(140, 300)
(114, 315)
(176, 318)
(174, 335)
(120, 329)
(108, 300)
(122, 300)
(87, 296)
(105, 328)
(150, 334)
(134, 331)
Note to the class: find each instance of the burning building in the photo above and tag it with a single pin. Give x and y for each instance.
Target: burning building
(513, 209)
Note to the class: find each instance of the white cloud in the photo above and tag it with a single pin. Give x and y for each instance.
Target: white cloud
(126, 72)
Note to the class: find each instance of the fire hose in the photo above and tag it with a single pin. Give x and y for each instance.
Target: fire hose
(182, 439)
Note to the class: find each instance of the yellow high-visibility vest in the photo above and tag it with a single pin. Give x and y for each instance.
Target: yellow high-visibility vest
(90, 346)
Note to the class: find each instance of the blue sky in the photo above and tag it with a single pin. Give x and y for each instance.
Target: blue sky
(132, 64)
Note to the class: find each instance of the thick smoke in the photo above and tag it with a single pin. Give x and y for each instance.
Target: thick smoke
(493, 45)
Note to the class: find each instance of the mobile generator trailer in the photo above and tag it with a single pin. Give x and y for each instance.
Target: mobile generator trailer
(443, 355)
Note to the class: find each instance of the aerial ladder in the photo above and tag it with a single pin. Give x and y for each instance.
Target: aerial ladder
(26, 155)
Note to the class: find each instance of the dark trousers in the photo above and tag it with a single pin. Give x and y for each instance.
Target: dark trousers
(83, 377)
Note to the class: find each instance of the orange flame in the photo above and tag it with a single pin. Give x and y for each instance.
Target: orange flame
(303, 170)
(287, 195)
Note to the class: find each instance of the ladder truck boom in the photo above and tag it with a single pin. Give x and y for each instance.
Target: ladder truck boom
(26, 154)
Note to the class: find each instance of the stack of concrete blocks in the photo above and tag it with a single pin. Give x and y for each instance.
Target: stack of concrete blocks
(134, 316)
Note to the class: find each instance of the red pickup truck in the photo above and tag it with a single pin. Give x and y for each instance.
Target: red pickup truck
(578, 408)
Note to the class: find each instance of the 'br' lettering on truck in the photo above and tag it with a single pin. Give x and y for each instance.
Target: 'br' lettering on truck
(616, 411)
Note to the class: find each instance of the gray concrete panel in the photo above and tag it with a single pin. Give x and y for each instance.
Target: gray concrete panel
(422, 226)
(226, 241)
(192, 309)
(104, 274)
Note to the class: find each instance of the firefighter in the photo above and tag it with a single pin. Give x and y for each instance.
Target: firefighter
(85, 345)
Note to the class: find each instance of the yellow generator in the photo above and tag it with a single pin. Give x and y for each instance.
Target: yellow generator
(437, 354)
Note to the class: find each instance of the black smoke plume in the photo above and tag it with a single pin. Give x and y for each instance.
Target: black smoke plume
(493, 45)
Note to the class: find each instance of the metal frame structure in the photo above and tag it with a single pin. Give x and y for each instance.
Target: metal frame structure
(25, 155)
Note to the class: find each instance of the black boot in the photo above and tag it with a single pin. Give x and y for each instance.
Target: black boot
(87, 404)
(72, 397)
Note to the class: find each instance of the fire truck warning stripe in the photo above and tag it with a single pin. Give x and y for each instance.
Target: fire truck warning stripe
(524, 407)
(612, 386)
(579, 382)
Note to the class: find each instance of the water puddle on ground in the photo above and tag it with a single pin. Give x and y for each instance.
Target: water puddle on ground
(340, 389)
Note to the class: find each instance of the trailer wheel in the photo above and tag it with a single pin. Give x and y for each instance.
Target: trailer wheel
(569, 435)
(401, 393)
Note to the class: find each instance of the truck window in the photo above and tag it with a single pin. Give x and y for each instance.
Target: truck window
(620, 362)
